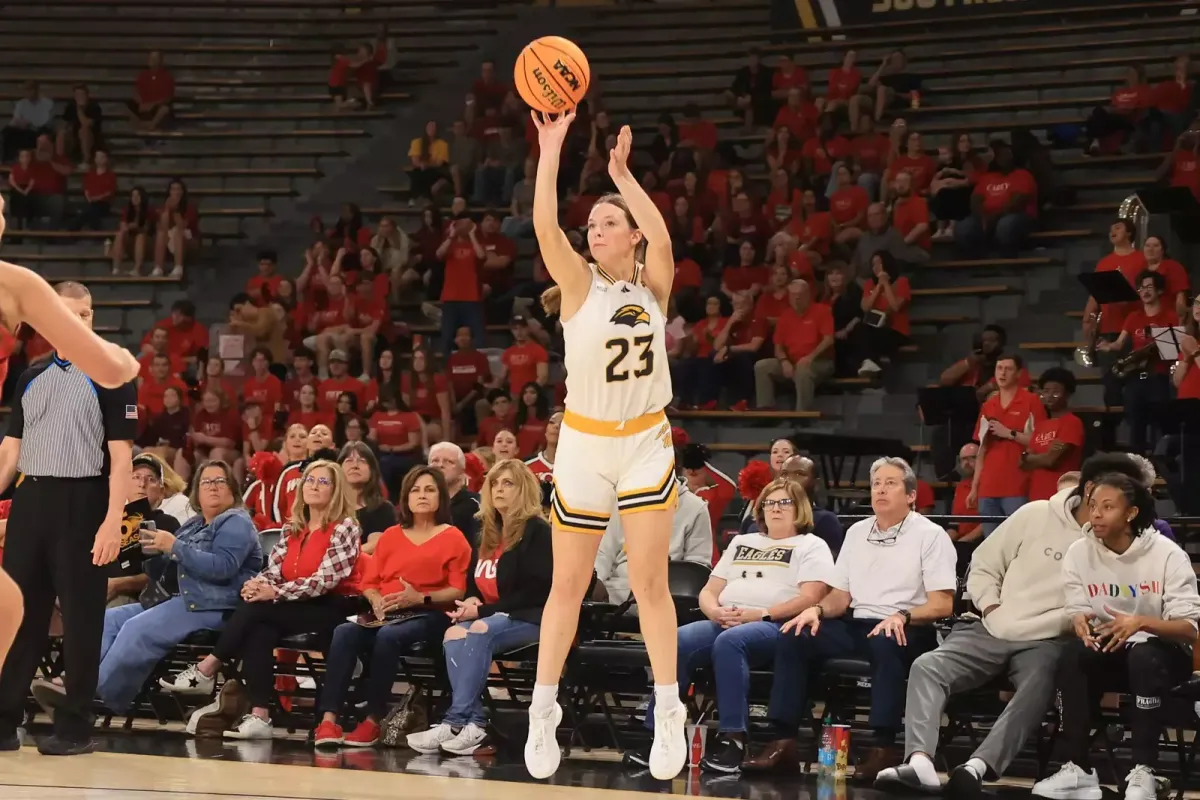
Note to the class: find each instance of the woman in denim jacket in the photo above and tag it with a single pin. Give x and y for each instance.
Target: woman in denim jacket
(202, 567)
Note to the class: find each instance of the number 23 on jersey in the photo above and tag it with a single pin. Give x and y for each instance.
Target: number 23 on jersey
(618, 352)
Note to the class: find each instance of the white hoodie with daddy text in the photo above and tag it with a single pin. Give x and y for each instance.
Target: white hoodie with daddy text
(1153, 578)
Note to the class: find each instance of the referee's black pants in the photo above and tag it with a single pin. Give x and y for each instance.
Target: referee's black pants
(48, 552)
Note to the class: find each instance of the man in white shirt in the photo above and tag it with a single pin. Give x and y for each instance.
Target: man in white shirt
(31, 117)
(893, 578)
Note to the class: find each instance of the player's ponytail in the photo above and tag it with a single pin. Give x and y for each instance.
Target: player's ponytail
(552, 301)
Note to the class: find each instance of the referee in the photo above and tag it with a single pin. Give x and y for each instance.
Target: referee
(73, 442)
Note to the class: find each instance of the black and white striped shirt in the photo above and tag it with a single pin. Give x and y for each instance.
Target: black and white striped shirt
(65, 421)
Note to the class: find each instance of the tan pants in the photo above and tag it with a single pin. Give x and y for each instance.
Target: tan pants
(768, 371)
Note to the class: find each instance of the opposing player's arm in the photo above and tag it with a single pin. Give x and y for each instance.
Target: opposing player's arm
(565, 266)
(660, 262)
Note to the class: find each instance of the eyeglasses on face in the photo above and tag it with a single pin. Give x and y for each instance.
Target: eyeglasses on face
(781, 504)
(313, 480)
(213, 483)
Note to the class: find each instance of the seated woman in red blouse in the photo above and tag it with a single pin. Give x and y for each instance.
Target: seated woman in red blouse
(696, 383)
(178, 229)
(310, 585)
(885, 327)
(417, 571)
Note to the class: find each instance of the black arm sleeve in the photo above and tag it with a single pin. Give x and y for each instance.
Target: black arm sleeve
(120, 410)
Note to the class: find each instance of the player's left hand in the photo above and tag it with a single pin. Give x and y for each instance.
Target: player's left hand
(618, 157)
(108, 543)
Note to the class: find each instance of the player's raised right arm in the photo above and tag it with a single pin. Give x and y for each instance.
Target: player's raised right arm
(565, 266)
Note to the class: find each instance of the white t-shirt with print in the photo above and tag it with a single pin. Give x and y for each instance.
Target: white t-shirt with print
(894, 570)
(760, 571)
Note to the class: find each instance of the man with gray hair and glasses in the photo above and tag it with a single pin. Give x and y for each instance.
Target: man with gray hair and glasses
(449, 459)
(894, 577)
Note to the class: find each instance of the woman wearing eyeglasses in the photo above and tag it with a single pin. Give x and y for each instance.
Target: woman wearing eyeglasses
(761, 578)
(307, 587)
(364, 485)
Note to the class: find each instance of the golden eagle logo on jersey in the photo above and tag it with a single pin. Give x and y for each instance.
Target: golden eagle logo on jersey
(631, 315)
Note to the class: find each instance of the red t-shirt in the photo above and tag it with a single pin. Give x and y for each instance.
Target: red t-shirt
(747, 330)
(392, 428)
(46, 179)
(800, 121)
(521, 361)
(784, 82)
(908, 214)
(155, 86)
(266, 393)
(150, 393)
(741, 279)
(1189, 387)
(291, 390)
(264, 428)
(311, 419)
(338, 71)
(816, 226)
(843, 83)
(898, 319)
(959, 507)
(224, 424)
(925, 496)
(1002, 474)
(268, 286)
(485, 576)
(1138, 321)
(870, 151)
(780, 208)
(498, 244)
(461, 283)
(184, 340)
(330, 389)
(1175, 276)
(100, 185)
(1185, 171)
(466, 370)
(705, 333)
(687, 275)
(490, 425)
(702, 134)
(824, 154)
(178, 365)
(770, 306)
(1172, 96)
(531, 437)
(1112, 315)
(18, 175)
(1068, 429)
(922, 169)
(1129, 100)
(421, 399)
(847, 203)
(799, 334)
(997, 189)
(489, 93)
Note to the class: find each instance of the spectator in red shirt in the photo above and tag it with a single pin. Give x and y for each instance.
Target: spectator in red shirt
(788, 75)
(749, 275)
(814, 232)
(885, 328)
(257, 431)
(160, 345)
(215, 435)
(803, 350)
(1148, 385)
(501, 418)
(1181, 167)
(1186, 375)
(1174, 98)
(1176, 277)
(533, 415)
(188, 337)
(399, 436)
(349, 231)
(1003, 208)
(462, 252)
(366, 73)
(260, 387)
(470, 376)
(500, 253)
(1129, 113)
(99, 188)
(784, 153)
(155, 382)
(305, 411)
(486, 92)
(697, 134)
(265, 284)
(697, 385)
(525, 361)
(736, 348)
(178, 229)
(844, 81)
(870, 151)
(427, 392)
(915, 162)
(339, 380)
(910, 215)
(1105, 322)
(1056, 446)
(775, 299)
(330, 323)
(848, 207)
(799, 115)
(963, 531)
(22, 204)
(370, 320)
(1004, 429)
(153, 95)
(824, 149)
(48, 172)
(303, 360)
(978, 369)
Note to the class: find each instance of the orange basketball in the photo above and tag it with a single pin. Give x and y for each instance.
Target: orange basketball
(552, 74)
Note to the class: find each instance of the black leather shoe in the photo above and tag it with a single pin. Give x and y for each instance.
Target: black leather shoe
(963, 785)
(10, 742)
(902, 780)
(58, 746)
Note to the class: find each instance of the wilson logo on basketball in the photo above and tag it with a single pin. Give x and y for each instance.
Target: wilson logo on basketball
(567, 75)
(549, 94)
(631, 315)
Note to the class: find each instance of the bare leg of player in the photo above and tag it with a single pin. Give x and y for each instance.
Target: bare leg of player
(12, 609)
(25, 297)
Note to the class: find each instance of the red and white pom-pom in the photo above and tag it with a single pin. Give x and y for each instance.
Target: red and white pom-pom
(679, 437)
(753, 478)
(475, 471)
(265, 466)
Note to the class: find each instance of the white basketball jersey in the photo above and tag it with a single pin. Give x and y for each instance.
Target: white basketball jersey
(616, 351)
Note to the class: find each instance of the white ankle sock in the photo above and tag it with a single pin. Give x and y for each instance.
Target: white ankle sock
(666, 696)
(544, 696)
(977, 766)
(926, 771)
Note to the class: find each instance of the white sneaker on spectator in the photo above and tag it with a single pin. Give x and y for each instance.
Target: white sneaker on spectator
(432, 313)
(1069, 783)
(869, 367)
(1140, 783)
(157, 272)
(251, 727)
(542, 755)
(177, 273)
(190, 681)
(467, 741)
(669, 752)
(430, 741)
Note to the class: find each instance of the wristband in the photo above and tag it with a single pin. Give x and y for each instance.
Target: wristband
(427, 600)
(820, 611)
(907, 617)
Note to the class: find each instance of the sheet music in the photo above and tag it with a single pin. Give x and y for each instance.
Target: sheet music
(1167, 340)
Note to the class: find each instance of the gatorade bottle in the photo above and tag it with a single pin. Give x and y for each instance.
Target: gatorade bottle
(826, 756)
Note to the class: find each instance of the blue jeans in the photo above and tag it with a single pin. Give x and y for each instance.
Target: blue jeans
(459, 314)
(1009, 233)
(136, 639)
(798, 658)
(381, 649)
(468, 661)
(731, 652)
(998, 507)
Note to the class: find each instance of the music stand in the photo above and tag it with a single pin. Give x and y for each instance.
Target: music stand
(1108, 287)
(955, 408)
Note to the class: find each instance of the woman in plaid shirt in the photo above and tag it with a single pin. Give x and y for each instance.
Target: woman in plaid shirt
(310, 585)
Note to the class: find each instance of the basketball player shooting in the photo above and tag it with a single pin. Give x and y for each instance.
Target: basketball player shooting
(615, 445)
(25, 297)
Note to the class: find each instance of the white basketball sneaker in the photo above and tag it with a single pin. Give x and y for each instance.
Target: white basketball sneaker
(542, 755)
(669, 752)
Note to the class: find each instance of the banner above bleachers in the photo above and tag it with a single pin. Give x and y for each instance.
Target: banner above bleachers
(837, 13)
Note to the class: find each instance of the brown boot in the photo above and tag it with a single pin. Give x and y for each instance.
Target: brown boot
(878, 759)
(781, 754)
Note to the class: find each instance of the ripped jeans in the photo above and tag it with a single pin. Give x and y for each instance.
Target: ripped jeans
(468, 660)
